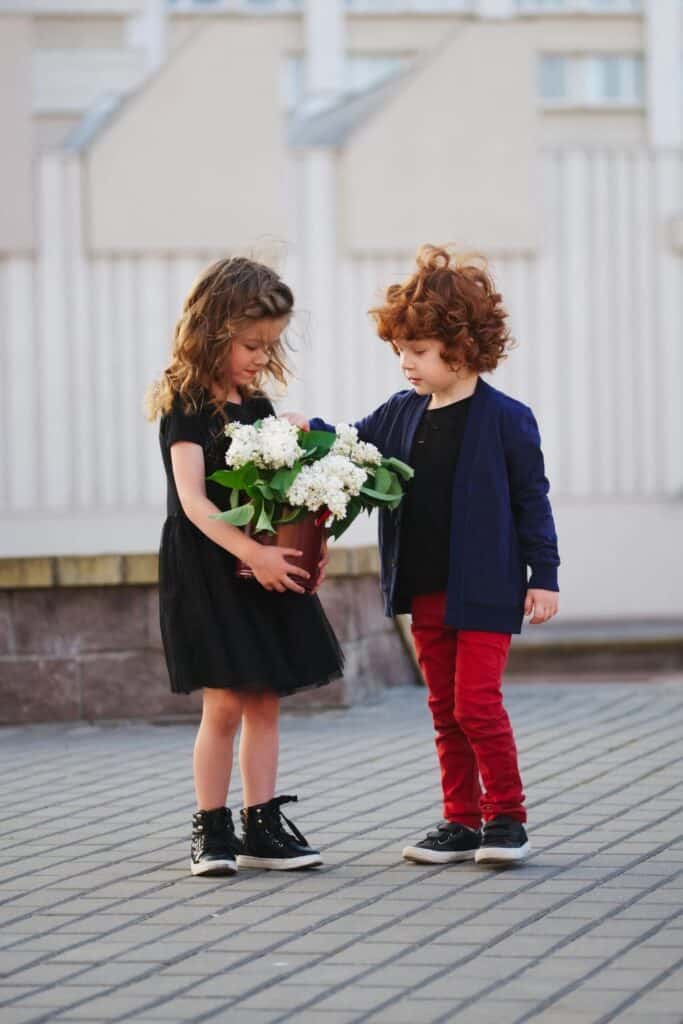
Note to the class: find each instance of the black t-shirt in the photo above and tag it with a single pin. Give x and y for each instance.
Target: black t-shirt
(426, 515)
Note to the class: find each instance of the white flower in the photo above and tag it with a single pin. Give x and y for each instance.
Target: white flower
(329, 483)
(347, 443)
(243, 445)
(347, 437)
(367, 454)
(272, 445)
(279, 444)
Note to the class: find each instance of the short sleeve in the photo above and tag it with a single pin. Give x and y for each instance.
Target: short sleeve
(266, 407)
(181, 426)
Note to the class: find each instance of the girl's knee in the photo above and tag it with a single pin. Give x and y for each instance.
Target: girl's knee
(222, 710)
(261, 707)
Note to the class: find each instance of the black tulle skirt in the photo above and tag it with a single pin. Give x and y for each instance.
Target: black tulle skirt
(219, 631)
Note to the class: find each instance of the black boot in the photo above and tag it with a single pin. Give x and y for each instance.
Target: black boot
(267, 843)
(214, 843)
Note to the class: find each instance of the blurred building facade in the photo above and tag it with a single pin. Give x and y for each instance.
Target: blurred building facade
(143, 139)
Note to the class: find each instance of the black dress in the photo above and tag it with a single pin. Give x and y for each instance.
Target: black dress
(217, 630)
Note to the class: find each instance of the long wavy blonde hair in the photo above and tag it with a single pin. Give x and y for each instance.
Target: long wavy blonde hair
(225, 298)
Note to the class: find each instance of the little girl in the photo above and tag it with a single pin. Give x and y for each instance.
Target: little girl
(245, 643)
(471, 550)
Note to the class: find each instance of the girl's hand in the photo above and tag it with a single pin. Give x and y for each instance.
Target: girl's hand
(297, 419)
(271, 568)
(322, 565)
(543, 604)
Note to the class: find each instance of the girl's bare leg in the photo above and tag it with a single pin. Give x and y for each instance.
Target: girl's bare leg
(213, 748)
(259, 747)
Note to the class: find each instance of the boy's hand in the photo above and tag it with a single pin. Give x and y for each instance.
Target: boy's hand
(297, 419)
(542, 603)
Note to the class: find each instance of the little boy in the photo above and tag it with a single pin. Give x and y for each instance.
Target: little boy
(457, 554)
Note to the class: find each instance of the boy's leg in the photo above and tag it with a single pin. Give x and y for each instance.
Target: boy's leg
(436, 644)
(480, 712)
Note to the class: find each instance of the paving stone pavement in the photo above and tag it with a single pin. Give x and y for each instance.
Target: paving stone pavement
(101, 921)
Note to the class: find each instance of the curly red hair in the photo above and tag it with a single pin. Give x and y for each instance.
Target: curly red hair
(452, 299)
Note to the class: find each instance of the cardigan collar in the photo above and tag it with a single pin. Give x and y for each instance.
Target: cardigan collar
(470, 442)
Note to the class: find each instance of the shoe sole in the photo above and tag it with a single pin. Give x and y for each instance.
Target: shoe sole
(215, 867)
(310, 860)
(420, 856)
(502, 854)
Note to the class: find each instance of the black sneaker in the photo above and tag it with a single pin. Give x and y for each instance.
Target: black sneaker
(503, 841)
(449, 843)
(214, 843)
(268, 844)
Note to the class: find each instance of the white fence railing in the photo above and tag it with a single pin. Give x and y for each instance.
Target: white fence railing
(597, 313)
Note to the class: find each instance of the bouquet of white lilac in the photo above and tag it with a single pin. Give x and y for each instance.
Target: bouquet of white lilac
(279, 475)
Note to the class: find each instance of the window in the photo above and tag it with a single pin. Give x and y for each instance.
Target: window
(591, 80)
(553, 78)
(614, 79)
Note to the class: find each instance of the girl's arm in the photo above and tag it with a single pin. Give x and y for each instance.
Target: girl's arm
(269, 564)
(533, 515)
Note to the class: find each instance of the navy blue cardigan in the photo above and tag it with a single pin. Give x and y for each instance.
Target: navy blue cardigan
(502, 523)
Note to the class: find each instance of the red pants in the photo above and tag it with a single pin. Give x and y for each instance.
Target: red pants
(463, 671)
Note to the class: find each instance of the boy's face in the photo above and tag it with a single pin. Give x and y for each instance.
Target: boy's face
(422, 365)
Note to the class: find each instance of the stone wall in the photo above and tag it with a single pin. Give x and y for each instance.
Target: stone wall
(79, 639)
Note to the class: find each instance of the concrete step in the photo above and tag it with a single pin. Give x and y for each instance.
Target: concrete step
(599, 649)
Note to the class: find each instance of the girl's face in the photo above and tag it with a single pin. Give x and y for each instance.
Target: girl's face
(422, 365)
(251, 350)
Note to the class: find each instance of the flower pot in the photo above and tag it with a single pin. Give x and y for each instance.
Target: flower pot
(305, 535)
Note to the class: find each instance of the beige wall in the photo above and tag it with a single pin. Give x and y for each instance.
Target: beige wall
(51, 132)
(77, 32)
(583, 34)
(563, 34)
(396, 33)
(472, 106)
(199, 154)
(16, 192)
(612, 127)
(289, 28)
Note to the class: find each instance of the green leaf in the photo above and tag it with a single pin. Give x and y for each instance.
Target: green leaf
(321, 440)
(264, 523)
(239, 479)
(396, 487)
(264, 489)
(377, 496)
(236, 516)
(383, 480)
(402, 468)
(340, 526)
(234, 499)
(284, 478)
(290, 515)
